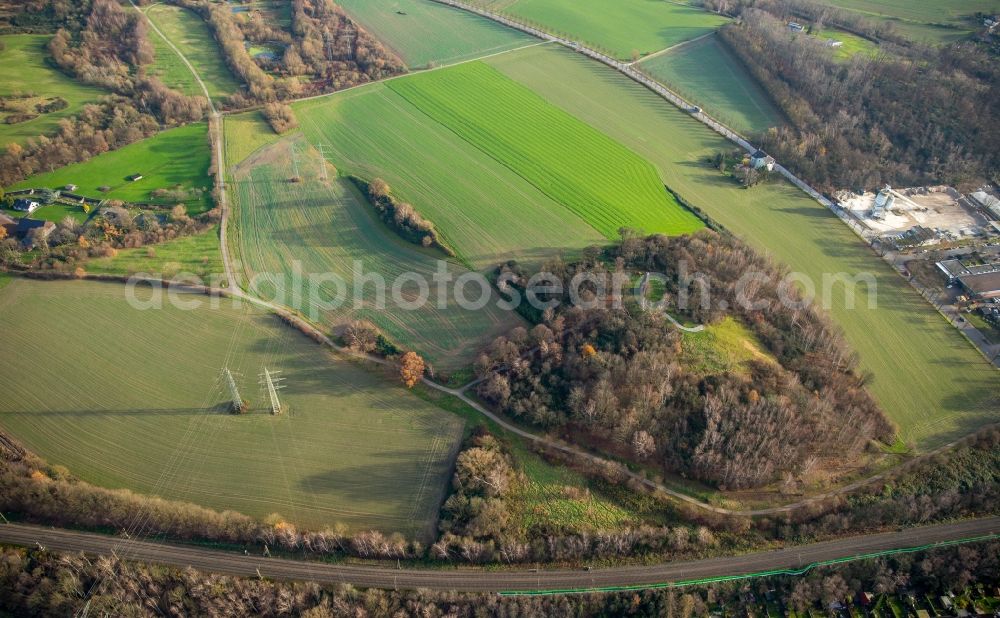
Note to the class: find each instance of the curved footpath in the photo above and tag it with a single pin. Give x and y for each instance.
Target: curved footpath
(792, 559)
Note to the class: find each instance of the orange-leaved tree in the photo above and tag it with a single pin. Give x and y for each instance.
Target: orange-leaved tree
(411, 368)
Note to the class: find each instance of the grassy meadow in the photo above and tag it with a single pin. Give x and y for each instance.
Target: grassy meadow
(483, 210)
(425, 33)
(930, 381)
(598, 179)
(931, 21)
(174, 158)
(193, 38)
(198, 254)
(624, 28)
(245, 133)
(709, 75)
(24, 70)
(852, 43)
(148, 413)
(725, 347)
(328, 227)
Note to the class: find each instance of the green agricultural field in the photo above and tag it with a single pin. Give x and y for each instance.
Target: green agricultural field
(423, 32)
(192, 38)
(930, 381)
(709, 75)
(149, 412)
(624, 28)
(598, 179)
(175, 158)
(329, 228)
(470, 197)
(940, 21)
(198, 254)
(24, 70)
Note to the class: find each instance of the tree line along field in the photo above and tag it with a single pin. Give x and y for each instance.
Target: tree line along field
(932, 383)
(425, 33)
(596, 178)
(328, 227)
(709, 75)
(374, 132)
(149, 412)
(623, 28)
(177, 157)
(24, 70)
(193, 38)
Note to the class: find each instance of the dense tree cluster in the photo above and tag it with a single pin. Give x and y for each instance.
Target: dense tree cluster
(333, 50)
(400, 216)
(907, 116)
(40, 583)
(111, 43)
(615, 375)
(324, 51)
(280, 117)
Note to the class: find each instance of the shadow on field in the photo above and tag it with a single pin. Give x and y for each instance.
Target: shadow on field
(399, 472)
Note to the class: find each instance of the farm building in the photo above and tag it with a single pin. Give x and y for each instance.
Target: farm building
(761, 159)
(25, 231)
(24, 205)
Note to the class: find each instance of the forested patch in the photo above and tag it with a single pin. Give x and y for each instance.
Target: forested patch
(908, 116)
(615, 376)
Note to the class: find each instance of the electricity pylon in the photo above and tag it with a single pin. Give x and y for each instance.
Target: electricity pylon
(273, 386)
(238, 405)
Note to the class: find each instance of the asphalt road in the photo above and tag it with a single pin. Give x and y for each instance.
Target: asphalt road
(486, 581)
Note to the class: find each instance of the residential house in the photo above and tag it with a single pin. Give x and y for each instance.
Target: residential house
(25, 205)
(761, 159)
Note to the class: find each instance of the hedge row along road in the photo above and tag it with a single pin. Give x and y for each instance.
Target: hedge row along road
(789, 560)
